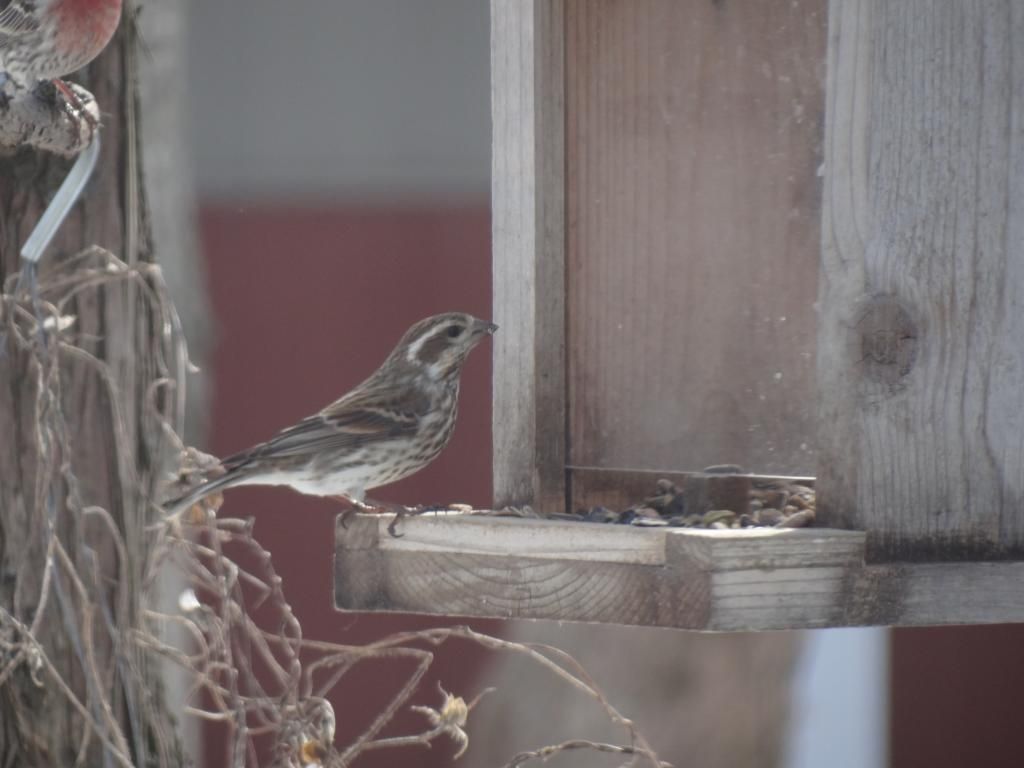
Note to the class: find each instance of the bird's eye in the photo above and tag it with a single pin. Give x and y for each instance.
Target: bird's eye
(454, 331)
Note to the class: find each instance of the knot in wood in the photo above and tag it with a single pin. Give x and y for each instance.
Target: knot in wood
(888, 340)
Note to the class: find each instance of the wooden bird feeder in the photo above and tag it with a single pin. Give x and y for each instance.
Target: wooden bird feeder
(787, 235)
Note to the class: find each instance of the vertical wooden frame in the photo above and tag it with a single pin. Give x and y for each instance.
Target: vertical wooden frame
(528, 209)
(919, 374)
(920, 358)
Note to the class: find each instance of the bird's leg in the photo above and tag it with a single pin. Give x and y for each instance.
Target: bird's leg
(371, 506)
(383, 507)
(424, 508)
(420, 509)
(353, 506)
(400, 512)
(74, 103)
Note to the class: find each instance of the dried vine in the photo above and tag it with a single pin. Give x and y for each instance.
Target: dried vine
(233, 630)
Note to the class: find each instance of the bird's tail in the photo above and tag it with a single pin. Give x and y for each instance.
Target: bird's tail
(200, 492)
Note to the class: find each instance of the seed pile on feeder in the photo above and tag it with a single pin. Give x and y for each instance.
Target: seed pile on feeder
(759, 503)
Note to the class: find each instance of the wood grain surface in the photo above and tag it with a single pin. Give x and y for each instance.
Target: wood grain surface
(528, 202)
(693, 143)
(921, 364)
(728, 580)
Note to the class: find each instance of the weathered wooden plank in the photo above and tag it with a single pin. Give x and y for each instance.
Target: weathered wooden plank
(553, 540)
(955, 593)
(693, 144)
(512, 568)
(920, 360)
(611, 583)
(751, 579)
(527, 198)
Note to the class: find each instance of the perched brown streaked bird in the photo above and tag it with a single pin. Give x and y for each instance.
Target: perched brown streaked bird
(393, 424)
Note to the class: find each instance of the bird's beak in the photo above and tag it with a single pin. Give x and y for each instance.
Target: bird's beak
(485, 327)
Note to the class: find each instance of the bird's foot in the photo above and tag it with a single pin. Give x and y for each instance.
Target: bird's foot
(387, 507)
(352, 507)
(74, 105)
(400, 511)
(421, 509)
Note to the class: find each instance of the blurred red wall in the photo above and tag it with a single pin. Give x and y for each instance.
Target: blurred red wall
(956, 697)
(306, 304)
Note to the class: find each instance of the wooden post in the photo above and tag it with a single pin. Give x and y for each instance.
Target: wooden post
(921, 342)
(94, 475)
(528, 223)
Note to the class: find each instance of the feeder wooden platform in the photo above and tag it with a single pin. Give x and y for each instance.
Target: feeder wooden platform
(456, 564)
(746, 232)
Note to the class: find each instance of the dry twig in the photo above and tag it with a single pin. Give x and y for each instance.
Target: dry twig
(251, 668)
(567, 746)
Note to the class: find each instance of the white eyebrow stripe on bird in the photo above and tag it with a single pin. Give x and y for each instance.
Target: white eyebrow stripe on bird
(413, 352)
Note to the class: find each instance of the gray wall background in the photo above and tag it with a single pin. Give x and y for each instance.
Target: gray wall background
(340, 99)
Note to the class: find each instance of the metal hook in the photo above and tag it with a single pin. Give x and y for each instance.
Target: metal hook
(46, 228)
(62, 203)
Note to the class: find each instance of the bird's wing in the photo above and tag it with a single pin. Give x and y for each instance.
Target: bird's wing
(357, 419)
(18, 18)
